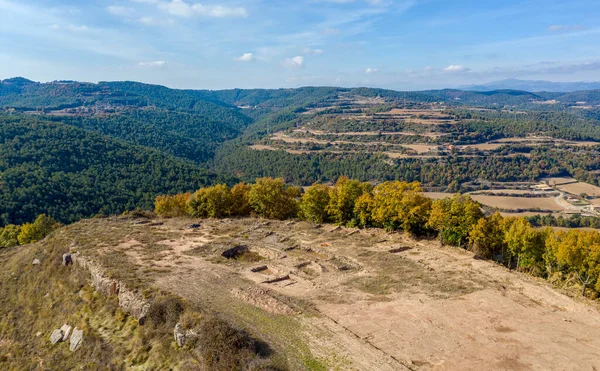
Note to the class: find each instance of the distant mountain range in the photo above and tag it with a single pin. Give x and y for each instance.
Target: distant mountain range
(533, 86)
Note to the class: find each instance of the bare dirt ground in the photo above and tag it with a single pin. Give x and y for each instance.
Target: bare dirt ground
(356, 299)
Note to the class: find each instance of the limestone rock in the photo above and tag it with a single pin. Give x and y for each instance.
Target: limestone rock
(179, 335)
(66, 330)
(36, 262)
(56, 336)
(67, 260)
(76, 339)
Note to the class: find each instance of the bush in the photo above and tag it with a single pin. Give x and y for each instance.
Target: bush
(40, 228)
(313, 205)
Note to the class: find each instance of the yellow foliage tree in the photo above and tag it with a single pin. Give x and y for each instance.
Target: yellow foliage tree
(454, 218)
(211, 202)
(526, 244)
(313, 205)
(9, 235)
(271, 198)
(342, 200)
(40, 228)
(487, 236)
(172, 206)
(578, 252)
(240, 201)
(400, 205)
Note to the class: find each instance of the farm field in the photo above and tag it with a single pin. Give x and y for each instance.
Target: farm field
(580, 187)
(504, 202)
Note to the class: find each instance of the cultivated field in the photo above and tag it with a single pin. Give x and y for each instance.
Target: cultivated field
(506, 202)
(578, 188)
(340, 299)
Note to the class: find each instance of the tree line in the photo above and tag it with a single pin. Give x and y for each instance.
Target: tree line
(402, 206)
(13, 235)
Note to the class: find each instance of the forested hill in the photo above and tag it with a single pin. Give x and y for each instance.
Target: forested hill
(71, 173)
(73, 149)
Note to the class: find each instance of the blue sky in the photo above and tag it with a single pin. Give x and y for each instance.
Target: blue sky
(398, 44)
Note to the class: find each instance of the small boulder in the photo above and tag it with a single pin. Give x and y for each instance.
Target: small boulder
(38, 334)
(194, 226)
(66, 330)
(56, 336)
(36, 262)
(67, 260)
(179, 335)
(76, 339)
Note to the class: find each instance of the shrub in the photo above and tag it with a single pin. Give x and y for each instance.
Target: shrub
(211, 202)
(271, 198)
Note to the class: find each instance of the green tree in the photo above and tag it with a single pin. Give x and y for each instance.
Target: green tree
(313, 204)
(271, 198)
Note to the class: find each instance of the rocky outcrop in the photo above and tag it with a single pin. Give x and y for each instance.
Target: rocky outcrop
(130, 301)
(76, 339)
(66, 331)
(181, 336)
(56, 336)
(36, 262)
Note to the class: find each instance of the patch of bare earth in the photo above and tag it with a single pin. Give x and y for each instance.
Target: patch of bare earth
(365, 299)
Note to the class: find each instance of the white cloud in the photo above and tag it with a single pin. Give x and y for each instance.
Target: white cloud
(180, 8)
(152, 64)
(54, 27)
(119, 10)
(150, 21)
(564, 27)
(455, 68)
(371, 70)
(75, 28)
(295, 62)
(310, 51)
(246, 57)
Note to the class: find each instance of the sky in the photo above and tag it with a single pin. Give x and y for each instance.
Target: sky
(219, 44)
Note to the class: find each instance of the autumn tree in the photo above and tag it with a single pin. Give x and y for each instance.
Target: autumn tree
(240, 200)
(313, 205)
(526, 244)
(454, 218)
(400, 205)
(271, 198)
(40, 228)
(578, 252)
(342, 200)
(172, 206)
(487, 236)
(211, 202)
(9, 235)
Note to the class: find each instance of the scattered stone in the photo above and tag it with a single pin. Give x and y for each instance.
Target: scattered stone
(194, 226)
(399, 249)
(179, 335)
(338, 228)
(66, 330)
(278, 279)
(67, 259)
(234, 252)
(36, 262)
(56, 336)
(259, 269)
(76, 339)
(38, 334)
(155, 224)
